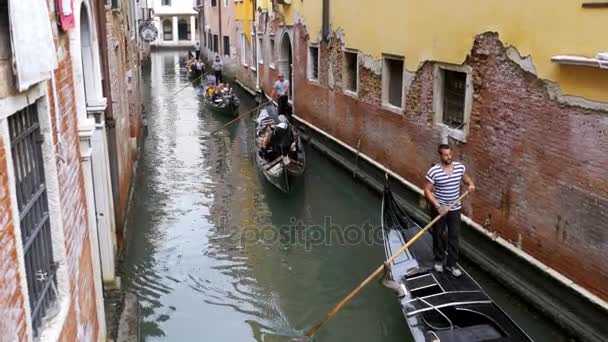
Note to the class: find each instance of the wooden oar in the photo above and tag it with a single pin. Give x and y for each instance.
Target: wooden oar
(315, 329)
(190, 83)
(238, 118)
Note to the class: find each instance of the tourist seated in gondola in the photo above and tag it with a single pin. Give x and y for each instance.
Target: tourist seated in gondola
(276, 140)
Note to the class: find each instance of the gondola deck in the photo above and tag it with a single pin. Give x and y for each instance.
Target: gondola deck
(438, 306)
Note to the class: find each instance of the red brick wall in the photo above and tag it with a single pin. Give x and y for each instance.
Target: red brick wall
(12, 302)
(74, 209)
(540, 166)
(125, 112)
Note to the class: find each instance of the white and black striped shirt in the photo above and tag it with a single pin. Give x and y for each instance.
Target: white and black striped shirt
(446, 188)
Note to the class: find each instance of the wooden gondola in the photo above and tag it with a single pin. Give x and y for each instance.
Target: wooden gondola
(227, 104)
(282, 169)
(438, 306)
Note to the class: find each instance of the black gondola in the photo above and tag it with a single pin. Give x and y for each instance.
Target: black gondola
(438, 306)
(227, 104)
(280, 168)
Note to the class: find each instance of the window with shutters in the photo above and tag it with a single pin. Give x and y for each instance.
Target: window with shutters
(313, 62)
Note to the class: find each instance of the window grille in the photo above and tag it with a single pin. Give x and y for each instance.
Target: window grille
(454, 98)
(32, 202)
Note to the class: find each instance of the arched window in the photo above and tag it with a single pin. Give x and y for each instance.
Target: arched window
(167, 29)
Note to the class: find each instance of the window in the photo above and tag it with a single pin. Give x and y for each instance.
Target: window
(227, 46)
(252, 63)
(452, 98)
(225, 3)
(32, 203)
(261, 50)
(243, 49)
(313, 62)
(167, 29)
(272, 51)
(213, 3)
(392, 82)
(351, 71)
(204, 40)
(454, 84)
(215, 43)
(210, 41)
(166, 2)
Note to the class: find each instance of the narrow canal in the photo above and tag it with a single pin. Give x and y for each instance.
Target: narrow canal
(211, 251)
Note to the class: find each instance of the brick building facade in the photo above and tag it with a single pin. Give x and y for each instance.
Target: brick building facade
(57, 214)
(537, 160)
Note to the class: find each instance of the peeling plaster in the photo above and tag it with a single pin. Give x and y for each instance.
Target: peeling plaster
(555, 94)
(374, 65)
(525, 63)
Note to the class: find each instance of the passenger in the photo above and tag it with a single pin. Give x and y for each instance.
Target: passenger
(282, 137)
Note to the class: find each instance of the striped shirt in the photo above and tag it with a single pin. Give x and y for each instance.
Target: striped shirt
(446, 188)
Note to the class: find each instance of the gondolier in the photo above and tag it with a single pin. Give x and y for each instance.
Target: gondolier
(443, 183)
(218, 67)
(281, 91)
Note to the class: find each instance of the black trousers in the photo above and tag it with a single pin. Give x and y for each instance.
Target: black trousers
(446, 234)
(283, 103)
(198, 54)
(218, 76)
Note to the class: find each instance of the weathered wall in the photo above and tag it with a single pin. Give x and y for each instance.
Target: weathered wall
(82, 318)
(443, 31)
(540, 166)
(12, 301)
(126, 108)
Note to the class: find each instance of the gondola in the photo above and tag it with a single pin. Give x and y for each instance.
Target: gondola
(438, 306)
(227, 104)
(285, 166)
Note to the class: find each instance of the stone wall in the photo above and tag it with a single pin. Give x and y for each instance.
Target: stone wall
(539, 165)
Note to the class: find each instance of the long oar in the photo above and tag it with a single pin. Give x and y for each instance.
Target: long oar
(190, 83)
(313, 331)
(238, 118)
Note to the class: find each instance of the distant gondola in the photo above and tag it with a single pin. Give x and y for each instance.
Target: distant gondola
(227, 104)
(279, 167)
(438, 306)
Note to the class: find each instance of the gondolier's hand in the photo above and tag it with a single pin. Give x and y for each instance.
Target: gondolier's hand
(471, 188)
(442, 210)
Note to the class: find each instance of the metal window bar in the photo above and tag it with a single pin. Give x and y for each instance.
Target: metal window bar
(453, 98)
(32, 203)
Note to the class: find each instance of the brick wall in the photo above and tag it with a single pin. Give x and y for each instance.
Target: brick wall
(126, 109)
(539, 165)
(82, 317)
(12, 302)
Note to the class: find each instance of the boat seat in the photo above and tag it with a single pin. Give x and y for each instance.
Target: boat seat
(445, 299)
(422, 281)
(474, 333)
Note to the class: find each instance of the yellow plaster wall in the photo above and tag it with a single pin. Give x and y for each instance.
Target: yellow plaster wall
(243, 11)
(444, 31)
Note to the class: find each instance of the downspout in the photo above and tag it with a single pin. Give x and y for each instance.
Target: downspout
(325, 27)
(107, 92)
(254, 46)
(220, 39)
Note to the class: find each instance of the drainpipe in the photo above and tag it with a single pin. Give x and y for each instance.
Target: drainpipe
(254, 46)
(325, 25)
(107, 92)
(220, 39)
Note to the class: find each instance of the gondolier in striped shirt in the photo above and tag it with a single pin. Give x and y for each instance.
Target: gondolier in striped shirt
(443, 183)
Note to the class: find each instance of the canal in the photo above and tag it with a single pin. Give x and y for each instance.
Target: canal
(215, 253)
